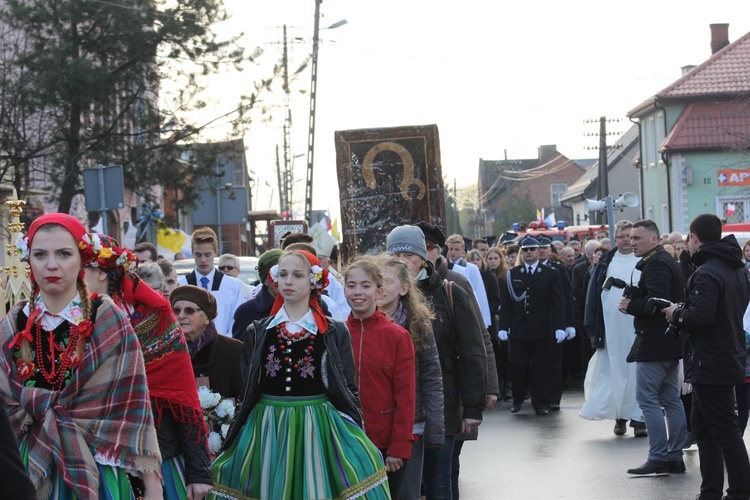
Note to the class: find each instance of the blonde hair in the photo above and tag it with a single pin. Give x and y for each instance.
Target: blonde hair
(455, 238)
(418, 312)
(204, 235)
(475, 253)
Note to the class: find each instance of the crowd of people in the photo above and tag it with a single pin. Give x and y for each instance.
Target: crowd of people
(364, 382)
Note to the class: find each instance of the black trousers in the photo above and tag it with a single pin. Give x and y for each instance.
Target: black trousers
(537, 355)
(719, 442)
(556, 373)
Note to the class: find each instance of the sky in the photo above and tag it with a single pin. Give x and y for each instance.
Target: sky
(498, 78)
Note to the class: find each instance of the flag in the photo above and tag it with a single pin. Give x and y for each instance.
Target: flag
(730, 209)
(335, 230)
(550, 220)
(170, 239)
(539, 217)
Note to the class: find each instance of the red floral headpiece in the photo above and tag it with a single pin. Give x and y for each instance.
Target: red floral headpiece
(105, 253)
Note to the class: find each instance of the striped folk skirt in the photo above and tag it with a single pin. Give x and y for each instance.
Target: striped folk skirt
(299, 448)
(113, 482)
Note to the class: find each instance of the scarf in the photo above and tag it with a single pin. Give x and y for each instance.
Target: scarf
(169, 371)
(209, 335)
(104, 410)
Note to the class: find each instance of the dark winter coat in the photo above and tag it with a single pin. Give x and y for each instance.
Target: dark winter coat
(463, 359)
(593, 320)
(661, 277)
(716, 298)
(220, 362)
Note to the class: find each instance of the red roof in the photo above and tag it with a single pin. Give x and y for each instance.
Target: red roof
(725, 74)
(710, 126)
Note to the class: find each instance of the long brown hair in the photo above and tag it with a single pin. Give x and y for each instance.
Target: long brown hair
(418, 312)
(502, 270)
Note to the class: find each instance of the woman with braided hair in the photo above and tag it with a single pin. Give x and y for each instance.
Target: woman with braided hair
(181, 429)
(298, 432)
(73, 380)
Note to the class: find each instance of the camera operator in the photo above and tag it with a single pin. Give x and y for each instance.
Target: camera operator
(711, 318)
(656, 352)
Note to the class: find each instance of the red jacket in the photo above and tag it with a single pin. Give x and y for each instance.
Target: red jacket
(384, 362)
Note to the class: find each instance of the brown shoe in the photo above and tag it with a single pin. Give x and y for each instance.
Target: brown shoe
(640, 431)
(621, 427)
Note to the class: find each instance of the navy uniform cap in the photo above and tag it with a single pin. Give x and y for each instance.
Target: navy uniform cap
(544, 241)
(529, 242)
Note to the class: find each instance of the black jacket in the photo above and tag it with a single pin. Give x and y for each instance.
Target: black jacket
(540, 312)
(258, 307)
(463, 358)
(716, 298)
(593, 320)
(661, 277)
(579, 282)
(339, 366)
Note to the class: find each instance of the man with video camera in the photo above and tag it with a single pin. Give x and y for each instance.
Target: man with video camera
(711, 318)
(656, 351)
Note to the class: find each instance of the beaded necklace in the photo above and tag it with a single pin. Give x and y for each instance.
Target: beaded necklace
(285, 339)
(59, 365)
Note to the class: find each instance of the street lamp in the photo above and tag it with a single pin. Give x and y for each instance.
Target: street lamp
(313, 94)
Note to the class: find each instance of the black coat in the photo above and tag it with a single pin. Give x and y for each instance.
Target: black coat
(540, 312)
(258, 307)
(580, 279)
(594, 318)
(567, 291)
(220, 362)
(463, 358)
(716, 299)
(661, 277)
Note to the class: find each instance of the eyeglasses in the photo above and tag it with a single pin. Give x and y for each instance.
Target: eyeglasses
(189, 311)
(430, 246)
(530, 249)
(226, 268)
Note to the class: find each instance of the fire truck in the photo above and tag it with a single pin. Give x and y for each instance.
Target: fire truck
(560, 232)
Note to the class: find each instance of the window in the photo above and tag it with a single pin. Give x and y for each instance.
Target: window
(733, 208)
(556, 190)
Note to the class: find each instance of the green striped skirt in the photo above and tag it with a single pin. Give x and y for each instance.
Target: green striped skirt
(299, 448)
(173, 478)
(113, 482)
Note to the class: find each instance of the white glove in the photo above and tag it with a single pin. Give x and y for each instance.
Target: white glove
(560, 335)
(502, 335)
(571, 332)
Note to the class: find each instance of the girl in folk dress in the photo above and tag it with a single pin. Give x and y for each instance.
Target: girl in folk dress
(73, 378)
(298, 432)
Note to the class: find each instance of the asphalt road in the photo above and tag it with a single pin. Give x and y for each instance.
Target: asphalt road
(563, 456)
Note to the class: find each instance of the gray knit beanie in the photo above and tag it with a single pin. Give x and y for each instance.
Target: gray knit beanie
(407, 239)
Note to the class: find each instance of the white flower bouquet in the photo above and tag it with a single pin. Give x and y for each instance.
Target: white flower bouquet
(218, 413)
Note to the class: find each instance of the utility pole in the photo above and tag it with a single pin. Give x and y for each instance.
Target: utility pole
(282, 202)
(288, 169)
(311, 124)
(602, 184)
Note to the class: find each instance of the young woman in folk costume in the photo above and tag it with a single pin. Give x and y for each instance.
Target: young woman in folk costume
(180, 427)
(298, 432)
(73, 378)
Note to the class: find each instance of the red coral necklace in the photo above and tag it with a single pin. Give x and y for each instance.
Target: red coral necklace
(59, 365)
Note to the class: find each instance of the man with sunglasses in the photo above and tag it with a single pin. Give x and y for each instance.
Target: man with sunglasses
(229, 265)
(532, 319)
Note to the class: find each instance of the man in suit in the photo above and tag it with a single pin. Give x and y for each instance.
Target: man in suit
(226, 289)
(556, 369)
(532, 318)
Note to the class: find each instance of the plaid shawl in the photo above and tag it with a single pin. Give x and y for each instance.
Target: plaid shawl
(104, 410)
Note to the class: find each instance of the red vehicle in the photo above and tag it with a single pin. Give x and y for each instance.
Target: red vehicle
(560, 233)
(741, 231)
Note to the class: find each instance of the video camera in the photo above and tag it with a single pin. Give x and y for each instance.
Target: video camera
(655, 305)
(628, 291)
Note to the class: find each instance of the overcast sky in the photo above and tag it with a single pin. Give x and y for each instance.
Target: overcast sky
(494, 76)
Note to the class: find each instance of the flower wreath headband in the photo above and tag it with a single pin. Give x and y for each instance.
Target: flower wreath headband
(318, 275)
(103, 252)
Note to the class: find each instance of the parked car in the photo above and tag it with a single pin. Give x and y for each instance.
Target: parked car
(248, 273)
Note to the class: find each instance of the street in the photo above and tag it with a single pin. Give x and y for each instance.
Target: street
(563, 456)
